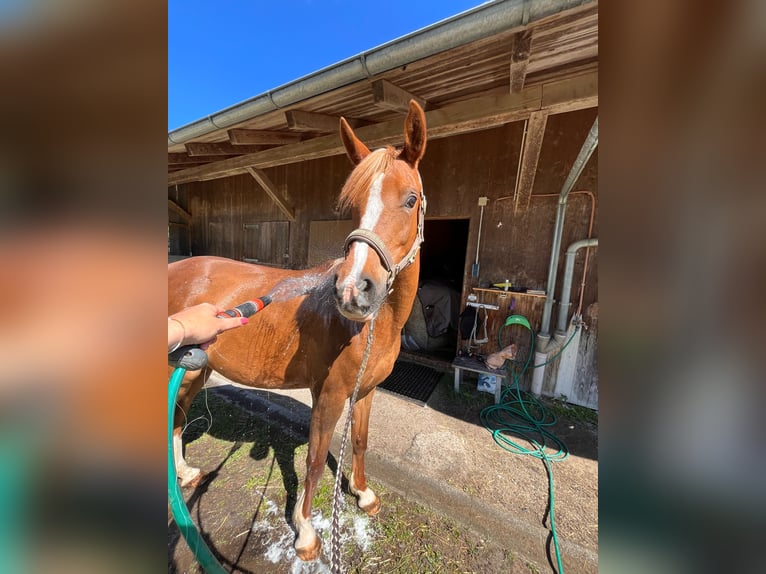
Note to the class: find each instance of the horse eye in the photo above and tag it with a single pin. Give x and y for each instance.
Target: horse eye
(411, 201)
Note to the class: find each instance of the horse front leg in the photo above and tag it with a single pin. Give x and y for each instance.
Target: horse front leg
(366, 499)
(325, 413)
(192, 383)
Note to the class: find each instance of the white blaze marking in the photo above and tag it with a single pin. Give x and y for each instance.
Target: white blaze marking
(372, 213)
(374, 204)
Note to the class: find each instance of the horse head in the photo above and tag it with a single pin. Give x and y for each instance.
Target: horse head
(385, 195)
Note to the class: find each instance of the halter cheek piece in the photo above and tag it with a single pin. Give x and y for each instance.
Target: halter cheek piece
(371, 239)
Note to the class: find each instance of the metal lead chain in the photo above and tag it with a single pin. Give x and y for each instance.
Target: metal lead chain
(335, 566)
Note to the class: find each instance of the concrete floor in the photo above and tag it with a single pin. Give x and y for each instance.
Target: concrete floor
(440, 456)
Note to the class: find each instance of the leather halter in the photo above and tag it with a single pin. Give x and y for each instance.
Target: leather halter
(371, 239)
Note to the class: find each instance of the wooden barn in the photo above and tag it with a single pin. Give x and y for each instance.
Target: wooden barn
(510, 91)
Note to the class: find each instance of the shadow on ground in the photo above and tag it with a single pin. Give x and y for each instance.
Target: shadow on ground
(273, 442)
(254, 455)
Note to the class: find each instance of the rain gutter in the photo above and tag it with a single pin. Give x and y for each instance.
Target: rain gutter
(481, 22)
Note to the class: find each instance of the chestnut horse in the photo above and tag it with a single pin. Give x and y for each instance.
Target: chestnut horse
(316, 339)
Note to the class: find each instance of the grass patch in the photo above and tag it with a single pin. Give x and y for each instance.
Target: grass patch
(563, 409)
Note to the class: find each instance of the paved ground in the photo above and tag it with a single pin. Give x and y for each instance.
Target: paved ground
(441, 457)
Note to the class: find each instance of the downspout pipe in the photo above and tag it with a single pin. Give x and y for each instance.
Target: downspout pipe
(590, 144)
(475, 24)
(566, 288)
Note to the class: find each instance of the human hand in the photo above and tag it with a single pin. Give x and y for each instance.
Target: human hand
(199, 325)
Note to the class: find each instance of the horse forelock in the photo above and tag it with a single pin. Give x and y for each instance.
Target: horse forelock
(360, 180)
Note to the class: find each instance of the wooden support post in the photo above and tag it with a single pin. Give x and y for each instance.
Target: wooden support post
(530, 154)
(173, 206)
(272, 191)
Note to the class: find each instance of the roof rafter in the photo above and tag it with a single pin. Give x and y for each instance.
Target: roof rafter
(522, 43)
(480, 113)
(392, 97)
(221, 148)
(262, 137)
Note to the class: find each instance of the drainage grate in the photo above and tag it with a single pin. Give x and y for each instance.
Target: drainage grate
(411, 381)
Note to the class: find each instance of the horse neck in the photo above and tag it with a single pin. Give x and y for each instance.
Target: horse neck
(405, 289)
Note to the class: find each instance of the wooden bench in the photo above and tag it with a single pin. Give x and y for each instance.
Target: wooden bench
(461, 364)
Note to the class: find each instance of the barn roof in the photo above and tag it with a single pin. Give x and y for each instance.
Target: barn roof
(488, 66)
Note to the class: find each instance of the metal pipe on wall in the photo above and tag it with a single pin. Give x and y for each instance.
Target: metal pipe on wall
(566, 287)
(588, 146)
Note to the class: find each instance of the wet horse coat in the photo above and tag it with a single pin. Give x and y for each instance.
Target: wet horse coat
(317, 339)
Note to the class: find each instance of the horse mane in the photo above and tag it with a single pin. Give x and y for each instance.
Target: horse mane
(360, 180)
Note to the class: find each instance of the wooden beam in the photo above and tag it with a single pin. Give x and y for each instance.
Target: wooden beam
(302, 121)
(173, 206)
(221, 148)
(272, 191)
(263, 137)
(575, 93)
(530, 154)
(392, 97)
(183, 159)
(519, 59)
(174, 168)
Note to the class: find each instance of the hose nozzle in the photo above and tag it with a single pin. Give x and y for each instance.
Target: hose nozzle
(248, 308)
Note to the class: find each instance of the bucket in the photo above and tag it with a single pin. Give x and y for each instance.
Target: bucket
(487, 383)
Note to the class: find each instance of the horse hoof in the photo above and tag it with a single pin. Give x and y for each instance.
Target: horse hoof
(373, 508)
(193, 480)
(310, 552)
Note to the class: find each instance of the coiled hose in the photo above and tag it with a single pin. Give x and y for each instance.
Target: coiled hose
(521, 415)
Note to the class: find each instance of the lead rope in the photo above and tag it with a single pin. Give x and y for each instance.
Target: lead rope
(335, 566)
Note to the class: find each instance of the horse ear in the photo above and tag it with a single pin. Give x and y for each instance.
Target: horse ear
(355, 149)
(414, 134)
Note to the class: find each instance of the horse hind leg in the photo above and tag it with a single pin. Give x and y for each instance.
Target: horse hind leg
(193, 382)
(366, 499)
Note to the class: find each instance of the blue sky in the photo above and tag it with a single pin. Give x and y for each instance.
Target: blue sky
(222, 52)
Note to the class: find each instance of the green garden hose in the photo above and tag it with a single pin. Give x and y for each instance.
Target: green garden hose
(193, 358)
(177, 505)
(521, 414)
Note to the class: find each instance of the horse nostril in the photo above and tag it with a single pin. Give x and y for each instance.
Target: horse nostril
(365, 285)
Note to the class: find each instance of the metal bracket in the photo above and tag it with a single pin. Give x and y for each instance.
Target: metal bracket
(483, 306)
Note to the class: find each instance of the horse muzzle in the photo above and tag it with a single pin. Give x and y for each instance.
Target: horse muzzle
(360, 300)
